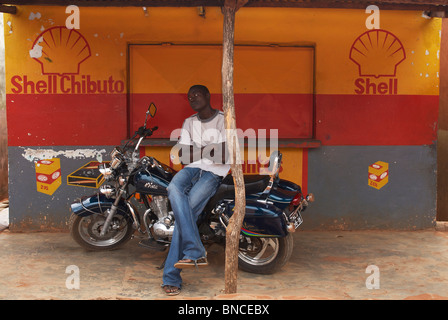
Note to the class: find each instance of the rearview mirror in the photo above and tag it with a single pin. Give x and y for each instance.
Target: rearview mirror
(152, 109)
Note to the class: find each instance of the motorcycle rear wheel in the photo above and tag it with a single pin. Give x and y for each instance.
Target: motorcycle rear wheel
(268, 255)
(86, 232)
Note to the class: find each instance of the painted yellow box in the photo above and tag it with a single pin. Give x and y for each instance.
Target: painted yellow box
(378, 167)
(48, 175)
(378, 174)
(380, 184)
(87, 176)
(48, 166)
(49, 188)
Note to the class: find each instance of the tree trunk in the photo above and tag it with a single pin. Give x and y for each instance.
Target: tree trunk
(236, 221)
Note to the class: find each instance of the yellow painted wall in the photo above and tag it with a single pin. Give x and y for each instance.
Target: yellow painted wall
(108, 30)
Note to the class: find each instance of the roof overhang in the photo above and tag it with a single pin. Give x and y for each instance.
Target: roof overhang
(440, 6)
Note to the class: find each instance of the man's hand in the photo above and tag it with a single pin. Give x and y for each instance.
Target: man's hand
(217, 152)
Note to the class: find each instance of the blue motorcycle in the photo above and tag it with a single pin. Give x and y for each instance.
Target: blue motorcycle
(133, 185)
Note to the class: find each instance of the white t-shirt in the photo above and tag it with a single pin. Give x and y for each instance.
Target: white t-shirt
(202, 133)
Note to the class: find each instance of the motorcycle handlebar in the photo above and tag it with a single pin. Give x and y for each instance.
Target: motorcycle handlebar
(143, 132)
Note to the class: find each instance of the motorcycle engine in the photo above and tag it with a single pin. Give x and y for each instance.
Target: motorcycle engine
(164, 227)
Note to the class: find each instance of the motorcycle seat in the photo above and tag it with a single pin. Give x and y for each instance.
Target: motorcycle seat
(253, 184)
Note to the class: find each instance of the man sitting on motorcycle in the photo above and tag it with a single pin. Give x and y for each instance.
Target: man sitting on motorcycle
(201, 147)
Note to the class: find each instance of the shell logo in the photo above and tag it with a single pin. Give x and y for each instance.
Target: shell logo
(60, 50)
(377, 53)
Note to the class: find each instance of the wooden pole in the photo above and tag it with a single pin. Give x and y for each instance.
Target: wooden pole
(442, 132)
(236, 221)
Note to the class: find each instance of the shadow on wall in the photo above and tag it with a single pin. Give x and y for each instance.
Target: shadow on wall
(3, 131)
(3, 156)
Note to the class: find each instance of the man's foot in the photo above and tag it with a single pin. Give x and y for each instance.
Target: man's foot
(171, 290)
(188, 263)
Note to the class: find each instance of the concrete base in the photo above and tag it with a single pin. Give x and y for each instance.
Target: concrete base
(442, 226)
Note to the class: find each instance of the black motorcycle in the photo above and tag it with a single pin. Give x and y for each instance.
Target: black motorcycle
(108, 219)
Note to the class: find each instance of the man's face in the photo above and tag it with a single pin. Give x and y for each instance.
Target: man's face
(198, 100)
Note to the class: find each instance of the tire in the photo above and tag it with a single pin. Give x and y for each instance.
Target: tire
(267, 256)
(86, 232)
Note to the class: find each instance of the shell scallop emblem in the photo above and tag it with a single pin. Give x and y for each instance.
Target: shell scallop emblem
(377, 53)
(60, 50)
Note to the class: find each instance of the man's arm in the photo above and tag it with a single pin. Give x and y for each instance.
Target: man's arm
(216, 152)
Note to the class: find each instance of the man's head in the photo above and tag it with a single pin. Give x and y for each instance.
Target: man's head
(199, 97)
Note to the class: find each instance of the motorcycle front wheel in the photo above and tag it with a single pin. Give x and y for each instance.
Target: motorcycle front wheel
(265, 255)
(86, 231)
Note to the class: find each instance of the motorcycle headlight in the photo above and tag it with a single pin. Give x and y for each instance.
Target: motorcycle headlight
(106, 172)
(107, 190)
(115, 151)
(116, 162)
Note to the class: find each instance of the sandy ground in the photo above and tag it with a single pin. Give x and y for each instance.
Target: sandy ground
(324, 265)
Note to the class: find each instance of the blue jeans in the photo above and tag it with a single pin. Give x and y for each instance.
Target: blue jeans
(188, 192)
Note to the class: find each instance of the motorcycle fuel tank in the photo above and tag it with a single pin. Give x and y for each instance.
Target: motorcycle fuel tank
(149, 182)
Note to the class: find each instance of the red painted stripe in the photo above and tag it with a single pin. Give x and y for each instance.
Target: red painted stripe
(58, 119)
(101, 119)
(291, 114)
(376, 119)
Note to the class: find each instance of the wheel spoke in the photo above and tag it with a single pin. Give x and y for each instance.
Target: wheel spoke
(262, 251)
(89, 230)
(264, 255)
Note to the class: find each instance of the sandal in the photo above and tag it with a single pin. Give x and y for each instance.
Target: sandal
(188, 263)
(171, 290)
